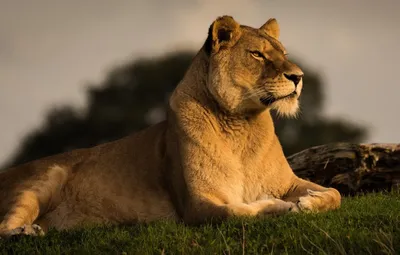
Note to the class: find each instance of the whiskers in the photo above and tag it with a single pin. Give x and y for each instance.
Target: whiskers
(267, 94)
(258, 92)
(284, 106)
(280, 91)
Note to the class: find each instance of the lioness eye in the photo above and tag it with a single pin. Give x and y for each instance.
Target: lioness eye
(257, 55)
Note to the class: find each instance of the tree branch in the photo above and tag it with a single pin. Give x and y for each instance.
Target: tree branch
(351, 168)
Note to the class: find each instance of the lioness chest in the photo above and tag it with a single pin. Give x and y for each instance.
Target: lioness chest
(253, 165)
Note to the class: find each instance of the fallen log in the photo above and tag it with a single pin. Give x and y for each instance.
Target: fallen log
(351, 168)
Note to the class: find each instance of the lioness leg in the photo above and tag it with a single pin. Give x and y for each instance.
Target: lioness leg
(201, 212)
(270, 206)
(30, 199)
(310, 196)
(24, 211)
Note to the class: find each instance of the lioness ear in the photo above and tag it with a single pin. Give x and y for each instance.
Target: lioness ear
(271, 27)
(223, 32)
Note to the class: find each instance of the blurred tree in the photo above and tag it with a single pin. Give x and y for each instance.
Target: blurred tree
(135, 95)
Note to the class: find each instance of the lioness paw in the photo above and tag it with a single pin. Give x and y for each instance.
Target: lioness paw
(319, 200)
(275, 206)
(31, 230)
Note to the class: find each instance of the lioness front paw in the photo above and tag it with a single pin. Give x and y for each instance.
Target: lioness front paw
(274, 206)
(319, 200)
(31, 230)
(307, 203)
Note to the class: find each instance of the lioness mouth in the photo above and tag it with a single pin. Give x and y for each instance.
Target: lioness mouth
(270, 100)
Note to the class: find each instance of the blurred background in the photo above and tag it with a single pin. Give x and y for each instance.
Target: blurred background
(78, 73)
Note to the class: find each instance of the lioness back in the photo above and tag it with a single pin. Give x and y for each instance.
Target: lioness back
(114, 182)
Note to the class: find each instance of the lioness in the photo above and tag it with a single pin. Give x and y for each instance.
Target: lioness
(215, 156)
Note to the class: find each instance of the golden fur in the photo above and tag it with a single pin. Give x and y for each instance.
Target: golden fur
(215, 156)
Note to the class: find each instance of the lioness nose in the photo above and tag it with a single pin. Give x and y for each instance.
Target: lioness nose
(295, 78)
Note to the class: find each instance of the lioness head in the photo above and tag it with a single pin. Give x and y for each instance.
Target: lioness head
(249, 69)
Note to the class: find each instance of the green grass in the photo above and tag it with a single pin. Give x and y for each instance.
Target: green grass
(367, 224)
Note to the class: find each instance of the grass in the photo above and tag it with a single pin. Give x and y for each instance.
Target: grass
(367, 224)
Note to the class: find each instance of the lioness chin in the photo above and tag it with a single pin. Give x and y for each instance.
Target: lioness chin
(215, 156)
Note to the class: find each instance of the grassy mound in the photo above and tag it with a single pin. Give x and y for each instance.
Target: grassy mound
(367, 224)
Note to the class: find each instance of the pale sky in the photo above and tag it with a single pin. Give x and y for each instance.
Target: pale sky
(51, 49)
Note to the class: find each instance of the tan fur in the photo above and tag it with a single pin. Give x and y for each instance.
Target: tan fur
(215, 156)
